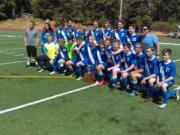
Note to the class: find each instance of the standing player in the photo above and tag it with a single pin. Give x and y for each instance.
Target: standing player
(31, 43)
(151, 71)
(150, 40)
(166, 78)
(47, 31)
(121, 33)
(107, 31)
(96, 33)
(133, 38)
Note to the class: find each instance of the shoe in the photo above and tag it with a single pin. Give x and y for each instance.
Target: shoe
(36, 64)
(101, 83)
(112, 88)
(53, 73)
(163, 105)
(79, 78)
(123, 91)
(131, 94)
(96, 83)
(41, 70)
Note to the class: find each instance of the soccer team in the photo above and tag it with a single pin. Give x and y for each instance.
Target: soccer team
(119, 57)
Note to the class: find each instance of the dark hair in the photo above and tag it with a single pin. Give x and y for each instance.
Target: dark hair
(127, 44)
(148, 26)
(150, 47)
(50, 27)
(116, 41)
(166, 50)
(140, 44)
(101, 42)
(121, 21)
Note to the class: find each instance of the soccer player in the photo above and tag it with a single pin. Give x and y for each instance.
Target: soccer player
(46, 60)
(138, 73)
(62, 56)
(70, 46)
(127, 66)
(121, 33)
(31, 43)
(116, 60)
(151, 71)
(47, 31)
(107, 31)
(150, 40)
(101, 59)
(65, 32)
(77, 32)
(133, 38)
(166, 77)
(90, 55)
(59, 30)
(96, 33)
(81, 60)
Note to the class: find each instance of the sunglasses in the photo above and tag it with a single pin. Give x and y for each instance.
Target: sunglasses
(144, 29)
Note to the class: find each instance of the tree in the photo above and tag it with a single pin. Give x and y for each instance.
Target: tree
(136, 12)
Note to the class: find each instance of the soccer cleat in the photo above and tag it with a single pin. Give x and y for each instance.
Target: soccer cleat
(131, 94)
(112, 88)
(101, 83)
(96, 83)
(41, 70)
(79, 78)
(163, 105)
(36, 64)
(53, 73)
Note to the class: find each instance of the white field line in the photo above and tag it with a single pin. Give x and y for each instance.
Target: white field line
(48, 98)
(13, 49)
(10, 53)
(45, 99)
(176, 60)
(169, 44)
(10, 36)
(8, 63)
(19, 55)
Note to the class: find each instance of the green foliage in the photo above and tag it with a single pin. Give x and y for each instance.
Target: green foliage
(137, 12)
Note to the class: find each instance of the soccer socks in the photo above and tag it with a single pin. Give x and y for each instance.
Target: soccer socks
(134, 85)
(124, 82)
(167, 95)
(151, 90)
(113, 80)
(53, 67)
(78, 71)
(100, 76)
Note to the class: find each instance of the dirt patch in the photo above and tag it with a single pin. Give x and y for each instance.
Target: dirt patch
(21, 24)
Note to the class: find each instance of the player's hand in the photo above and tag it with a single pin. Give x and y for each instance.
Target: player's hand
(143, 82)
(158, 84)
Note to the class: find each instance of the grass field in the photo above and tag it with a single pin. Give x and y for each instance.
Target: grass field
(94, 111)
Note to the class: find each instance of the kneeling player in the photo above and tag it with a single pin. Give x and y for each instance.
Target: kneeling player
(138, 73)
(101, 59)
(166, 77)
(128, 65)
(151, 71)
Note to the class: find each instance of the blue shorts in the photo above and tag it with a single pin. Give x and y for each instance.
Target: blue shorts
(170, 83)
